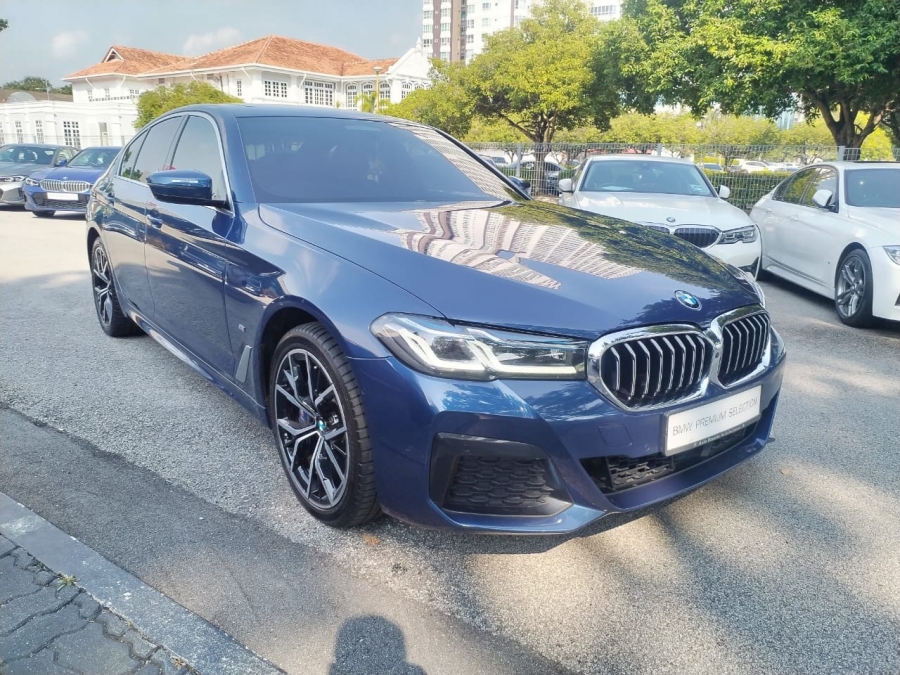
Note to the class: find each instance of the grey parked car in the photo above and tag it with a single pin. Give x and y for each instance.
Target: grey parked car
(20, 160)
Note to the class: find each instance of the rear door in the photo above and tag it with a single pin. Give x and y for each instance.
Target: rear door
(187, 253)
(125, 221)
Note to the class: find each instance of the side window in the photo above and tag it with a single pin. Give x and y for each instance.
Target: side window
(796, 186)
(155, 149)
(198, 149)
(129, 156)
(825, 179)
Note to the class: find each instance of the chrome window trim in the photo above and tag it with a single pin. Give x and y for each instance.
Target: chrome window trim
(714, 336)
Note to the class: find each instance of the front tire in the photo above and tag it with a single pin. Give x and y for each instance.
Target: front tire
(112, 319)
(320, 429)
(854, 289)
(44, 214)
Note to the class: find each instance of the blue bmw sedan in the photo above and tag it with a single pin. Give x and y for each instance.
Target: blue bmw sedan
(67, 188)
(421, 337)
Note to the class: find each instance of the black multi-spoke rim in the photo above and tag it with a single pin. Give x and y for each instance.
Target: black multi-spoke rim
(312, 429)
(851, 287)
(102, 279)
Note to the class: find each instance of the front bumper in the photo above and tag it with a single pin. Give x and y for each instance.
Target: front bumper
(745, 256)
(886, 288)
(12, 194)
(37, 199)
(546, 449)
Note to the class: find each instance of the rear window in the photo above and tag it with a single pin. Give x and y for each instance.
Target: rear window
(315, 159)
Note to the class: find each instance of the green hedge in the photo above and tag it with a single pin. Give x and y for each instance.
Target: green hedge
(746, 188)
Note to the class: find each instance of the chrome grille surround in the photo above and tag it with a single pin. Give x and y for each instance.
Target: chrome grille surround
(702, 236)
(65, 185)
(621, 365)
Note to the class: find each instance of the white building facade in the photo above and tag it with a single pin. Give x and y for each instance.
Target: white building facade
(454, 30)
(272, 69)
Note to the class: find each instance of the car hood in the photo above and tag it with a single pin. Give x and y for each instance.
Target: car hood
(80, 173)
(647, 208)
(884, 219)
(527, 266)
(14, 169)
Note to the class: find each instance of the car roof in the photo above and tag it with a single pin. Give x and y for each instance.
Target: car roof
(640, 158)
(46, 146)
(278, 110)
(845, 165)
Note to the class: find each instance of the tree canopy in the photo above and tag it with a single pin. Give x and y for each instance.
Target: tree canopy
(445, 105)
(152, 104)
(834, 58)
(34, 83)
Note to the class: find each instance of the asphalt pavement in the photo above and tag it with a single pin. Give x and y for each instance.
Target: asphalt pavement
(789, 564)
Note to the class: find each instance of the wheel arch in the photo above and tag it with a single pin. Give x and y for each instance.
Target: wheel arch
(853, 246)
(92, 235)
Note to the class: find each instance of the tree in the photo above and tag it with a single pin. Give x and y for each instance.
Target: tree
(152, 104)
(736, 136)
(807, 140)
(4, 24)
(34, 83)
(834, 58)
(891, 122)
(445, 105)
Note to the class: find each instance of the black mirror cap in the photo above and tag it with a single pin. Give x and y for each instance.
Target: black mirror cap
(183, 186)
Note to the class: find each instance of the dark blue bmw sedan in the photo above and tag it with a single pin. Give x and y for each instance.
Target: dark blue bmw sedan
(421, 337)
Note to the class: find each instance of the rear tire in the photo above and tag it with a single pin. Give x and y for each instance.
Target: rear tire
(320, 429)
(112, 319)
(853, 290)
(44, 214)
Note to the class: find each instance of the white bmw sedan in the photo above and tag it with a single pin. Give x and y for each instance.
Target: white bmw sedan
(835, 229)
(666, 194)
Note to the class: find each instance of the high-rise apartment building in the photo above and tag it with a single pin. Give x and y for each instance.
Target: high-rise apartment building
(454, 30)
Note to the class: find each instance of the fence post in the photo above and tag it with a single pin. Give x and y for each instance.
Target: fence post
(519, 160)
(659, 149)
(841, 150)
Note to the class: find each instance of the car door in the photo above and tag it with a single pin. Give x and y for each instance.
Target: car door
(187, 253)
(124, 219)
(780, 216)
(818, 234)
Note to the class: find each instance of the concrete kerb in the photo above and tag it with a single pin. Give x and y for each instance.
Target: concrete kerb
(165, 622)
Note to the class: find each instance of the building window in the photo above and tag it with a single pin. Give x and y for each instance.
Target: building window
(39, 131)
(518, 20)
(604, 11)
(90, 95)
(238, 88)
(134, 93)
(445, 13)
(445, 27)
(104, 134)
(445, 56)
(318, 93)
(485, 23)
(71, 134)
(427, 42)
(445, 42)
(275, 89)
(106, 93)
(161, 80)
(427, 14)
(405, 89)
(470, 39)
(20, 135)
(485, 6)
(350, 96)
(384, 91)
(470, 23)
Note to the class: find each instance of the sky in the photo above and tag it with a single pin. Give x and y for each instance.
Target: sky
(54, 38)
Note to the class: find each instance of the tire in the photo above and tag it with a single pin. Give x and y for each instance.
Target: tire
(314, 452)
(44, 214)
(853, 290)
(112, 319)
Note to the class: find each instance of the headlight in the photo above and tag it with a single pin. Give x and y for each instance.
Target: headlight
(743, 234)
(32, 182)
(436, 347)
(893, 253)
(11, 179)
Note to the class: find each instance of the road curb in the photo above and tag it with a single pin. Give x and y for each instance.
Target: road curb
(162, 620)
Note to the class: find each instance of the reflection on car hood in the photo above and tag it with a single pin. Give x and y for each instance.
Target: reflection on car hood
(525, 265)
(13, 169)
(882, 218)
(82, 173)
(649, 208)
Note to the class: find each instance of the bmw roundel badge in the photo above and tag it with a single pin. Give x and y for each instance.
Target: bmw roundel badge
(687, 299)
(670, 219)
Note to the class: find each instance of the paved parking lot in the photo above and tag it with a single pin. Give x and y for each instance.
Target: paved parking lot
(789, 564)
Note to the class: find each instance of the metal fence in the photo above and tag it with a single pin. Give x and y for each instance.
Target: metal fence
(750, 171)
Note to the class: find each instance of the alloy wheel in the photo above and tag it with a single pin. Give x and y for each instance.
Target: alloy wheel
(312, 429)
(851, 287)
(102, 281)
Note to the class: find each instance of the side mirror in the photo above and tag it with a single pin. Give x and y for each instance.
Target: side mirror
(182, 186)
(61, 162)
(523, 185)
(565, 185)
(724, 191)
(822, 199)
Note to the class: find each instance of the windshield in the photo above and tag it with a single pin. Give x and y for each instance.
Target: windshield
(26, 154)
(327, 159)
(95, 158)
(873, 187)
(646, 177)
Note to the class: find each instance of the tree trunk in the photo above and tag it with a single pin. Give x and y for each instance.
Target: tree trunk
(843, 127)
